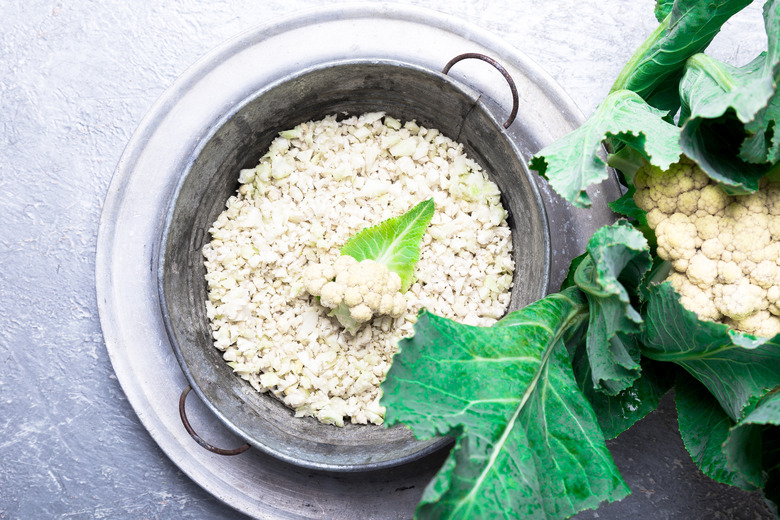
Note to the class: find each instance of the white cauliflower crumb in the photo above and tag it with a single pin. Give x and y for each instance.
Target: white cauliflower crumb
(318, 185)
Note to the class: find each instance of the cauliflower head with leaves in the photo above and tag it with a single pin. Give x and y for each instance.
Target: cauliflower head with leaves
(724, 249)
(356, 291)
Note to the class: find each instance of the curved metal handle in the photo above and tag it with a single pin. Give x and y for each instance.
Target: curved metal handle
(500, 68)
(191, 431)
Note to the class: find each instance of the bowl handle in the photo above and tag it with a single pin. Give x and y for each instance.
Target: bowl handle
(198, 439)
(500, 68)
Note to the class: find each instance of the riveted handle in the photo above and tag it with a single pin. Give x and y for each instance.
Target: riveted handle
(500, 68)
(198, 439)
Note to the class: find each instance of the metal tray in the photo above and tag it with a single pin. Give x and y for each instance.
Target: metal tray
(132, 223)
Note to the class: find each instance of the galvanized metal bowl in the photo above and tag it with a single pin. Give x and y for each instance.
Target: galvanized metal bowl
(350, 87)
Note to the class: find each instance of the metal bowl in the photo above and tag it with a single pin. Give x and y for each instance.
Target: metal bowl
(402, 90)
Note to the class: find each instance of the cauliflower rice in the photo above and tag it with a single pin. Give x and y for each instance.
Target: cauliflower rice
(319, 184)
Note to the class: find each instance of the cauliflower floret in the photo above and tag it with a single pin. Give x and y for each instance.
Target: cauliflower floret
(655, 216)
(707, 225)
(361, 313)
(761, 323)
(724, 250)
(356, 291)
(713, 200)
(773, 299)
(688, 202)
(765, 274)
(738, 300)
(755, 203)
(313, 280)
(773, 224)
(752, 232)
(712, 248)
(644, 200)
(677, 240)
(676, 190)
(332, 294)
(728, 272)
(353, 296)
(693, 297)
(702, 271)
(315, 276)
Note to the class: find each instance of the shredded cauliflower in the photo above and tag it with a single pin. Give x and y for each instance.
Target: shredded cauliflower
(320, 183)
(725, 250)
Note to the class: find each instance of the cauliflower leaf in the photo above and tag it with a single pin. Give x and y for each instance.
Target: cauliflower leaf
(746, 453)
(652, 75)
(687, 27)
(719, 127)
(528, 444)
(704, 428)
(762, 425)
(736, 368)
(618, 258)
(662, 9)
(763, 143)
(572, 163)
(394, 242)
(617, 413)
(621, 387)
(730, 114)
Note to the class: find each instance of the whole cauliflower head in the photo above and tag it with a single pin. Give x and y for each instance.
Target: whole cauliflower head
(356, 290)
(724, 249)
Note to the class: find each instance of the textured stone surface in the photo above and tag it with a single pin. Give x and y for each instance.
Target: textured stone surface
(76, 78)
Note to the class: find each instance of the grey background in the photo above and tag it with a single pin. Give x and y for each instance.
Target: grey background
(76, 77)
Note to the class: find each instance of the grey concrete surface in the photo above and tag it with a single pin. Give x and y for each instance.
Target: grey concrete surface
(76, 78)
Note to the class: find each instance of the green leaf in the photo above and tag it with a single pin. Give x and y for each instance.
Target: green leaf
(618, 258)
(655, 69)
(572, 163)
(745, 454)
(394, 242)
(771, 462)
(573, 265)
(730, 113)
(617, 413)
(754, 444)
(627, 207)
(662, 9)
(737, 369)
(720, 103)
(710, 87)
(715, 146)
(705, 428)
(528, 444)
(594, 350)
(627, 161)
(763, 143)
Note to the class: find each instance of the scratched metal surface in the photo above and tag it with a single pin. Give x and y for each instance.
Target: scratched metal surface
(76, 78)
